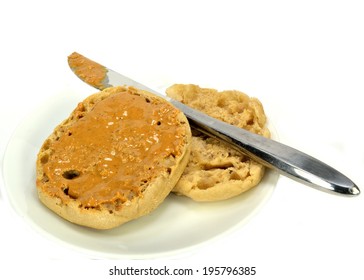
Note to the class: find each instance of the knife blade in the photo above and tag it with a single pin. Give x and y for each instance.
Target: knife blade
(286, 160)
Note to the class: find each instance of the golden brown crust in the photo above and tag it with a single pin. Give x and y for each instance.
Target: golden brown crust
(101, 209)
(215, 171)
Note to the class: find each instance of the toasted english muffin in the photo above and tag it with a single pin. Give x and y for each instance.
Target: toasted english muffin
(216, 171)
(114, 159)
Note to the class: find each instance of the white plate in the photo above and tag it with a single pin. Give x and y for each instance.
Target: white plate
(177, 226)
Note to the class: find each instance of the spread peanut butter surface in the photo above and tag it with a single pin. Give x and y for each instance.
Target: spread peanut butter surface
(89, 71)
(111, 152)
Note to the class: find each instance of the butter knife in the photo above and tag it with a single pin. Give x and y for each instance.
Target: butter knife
(272, 154)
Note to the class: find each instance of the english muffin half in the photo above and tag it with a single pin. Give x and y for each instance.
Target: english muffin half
(216, 171)
(114, 159)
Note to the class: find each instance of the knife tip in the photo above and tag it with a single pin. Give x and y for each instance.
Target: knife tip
(89, 71)
(354, 190)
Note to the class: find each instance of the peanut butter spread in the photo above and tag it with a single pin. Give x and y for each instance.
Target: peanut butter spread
(89, 71)
(110, 153)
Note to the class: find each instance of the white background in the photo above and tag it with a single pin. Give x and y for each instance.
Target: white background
(303, 59)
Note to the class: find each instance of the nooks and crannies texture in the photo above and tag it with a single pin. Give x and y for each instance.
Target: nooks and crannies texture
(216, 171)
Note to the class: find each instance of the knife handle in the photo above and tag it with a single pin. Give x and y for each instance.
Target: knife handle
(286, 160)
